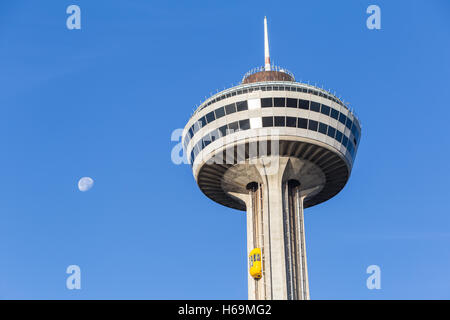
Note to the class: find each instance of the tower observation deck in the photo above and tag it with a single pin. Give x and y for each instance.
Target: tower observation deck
(272, 146)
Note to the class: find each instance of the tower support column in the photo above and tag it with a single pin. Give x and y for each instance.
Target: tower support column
(275, 224)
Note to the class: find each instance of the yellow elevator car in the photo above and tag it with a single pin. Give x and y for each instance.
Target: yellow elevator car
(255, 263)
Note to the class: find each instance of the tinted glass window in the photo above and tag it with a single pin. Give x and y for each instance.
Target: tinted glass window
(348, 124)
(219, 112)
(230, 108)
(291, 103)
(210, 117)
(206, 140)
(312, 125)
(202, 121)
(331, 132)
(223, 130)
(215, 135)
(266, 103)
(323, 128)
(267, 121)
(244, 124)
(325, 110)
(338, 136)
(291, 122)
(233, 127)
(280, 121)
(279, 102)
(302, 123)
(334, 114)
(344, 140)
(354, 130)
(303, 104)
(242, 105)
(342, 118)
(315, 106)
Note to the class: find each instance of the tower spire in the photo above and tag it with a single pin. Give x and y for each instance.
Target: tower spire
(266, 47)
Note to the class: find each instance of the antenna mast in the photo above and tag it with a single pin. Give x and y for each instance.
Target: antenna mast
(266, 47)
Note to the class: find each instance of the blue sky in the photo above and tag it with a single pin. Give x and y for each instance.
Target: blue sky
(103, 101)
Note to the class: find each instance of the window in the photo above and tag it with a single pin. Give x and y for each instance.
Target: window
(206, 140)
(323, 128)
(231, 108)
(334, 114)
(351, 148)
(338, 136)
(210, 117)
(242, 105)
(291, 103)
(244, 124)
(325, 110)
(312, 125)
(342, 118)
(355, 130)
(291, 122)
(315, 106)
(348, 124)
(279, 102)
(223, 130)
(331, 132)
(202, 121)
(266, 103)
(233, 127)
(219, 112)
(303, 104)
(345, 140)
(302, 123)
(215, 134)
(267, 121)
(280, 121)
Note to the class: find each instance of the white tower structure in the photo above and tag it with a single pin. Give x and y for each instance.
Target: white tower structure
(272, 146)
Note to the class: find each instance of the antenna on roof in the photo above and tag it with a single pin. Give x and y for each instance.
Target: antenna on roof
(266, 47)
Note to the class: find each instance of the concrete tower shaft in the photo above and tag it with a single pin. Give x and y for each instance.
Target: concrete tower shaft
(275, 224)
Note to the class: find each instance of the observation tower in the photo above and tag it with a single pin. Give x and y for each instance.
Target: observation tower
(272, 146)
